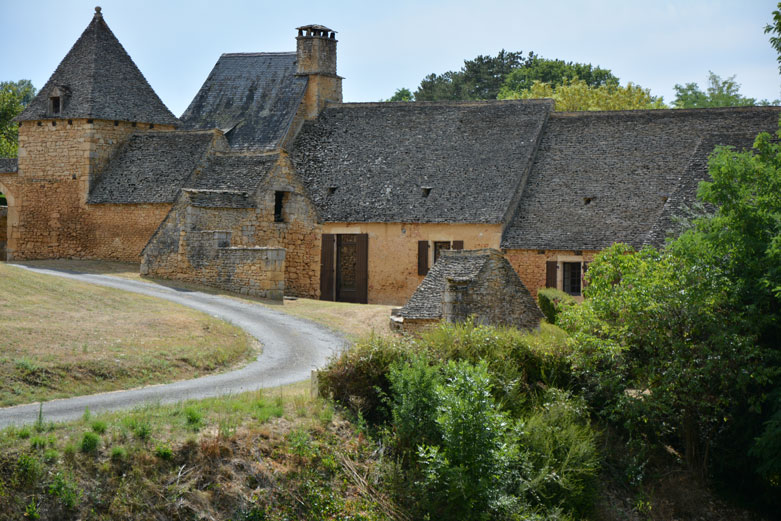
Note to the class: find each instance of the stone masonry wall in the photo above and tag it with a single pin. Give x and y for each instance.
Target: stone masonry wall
(3, 230)
(173, 250)
(58, 162)
(496, 296)
(530, 264)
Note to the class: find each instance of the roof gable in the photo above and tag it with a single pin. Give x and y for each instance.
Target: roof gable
(252, 97)
(418, 162)
(98, 79)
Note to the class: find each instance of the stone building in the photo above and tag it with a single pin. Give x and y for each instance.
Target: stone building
(469, 283)
(269, 184)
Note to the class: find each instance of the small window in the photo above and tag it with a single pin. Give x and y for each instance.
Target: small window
(439, 247)
(55, 103)
(279, 201)
(571, 278)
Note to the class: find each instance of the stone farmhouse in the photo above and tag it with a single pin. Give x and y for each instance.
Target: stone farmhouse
(268, 184)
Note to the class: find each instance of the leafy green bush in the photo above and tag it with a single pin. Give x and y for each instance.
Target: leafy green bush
(28, 469)
(65, 489)
(90, 442)
(164, 452)
(358, 378)
(118, 454)
(561, 454)
(551, 301)
(99, 426)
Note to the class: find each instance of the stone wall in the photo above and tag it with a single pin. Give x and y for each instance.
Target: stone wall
(530, 264)
(495, 296)
(393, 252)
(58, 162)
(3, 230)
(248, 221)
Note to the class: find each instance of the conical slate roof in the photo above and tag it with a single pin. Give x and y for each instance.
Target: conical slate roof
(98, 79)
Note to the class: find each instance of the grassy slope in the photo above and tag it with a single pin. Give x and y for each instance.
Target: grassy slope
(270, 455)
(64, 338)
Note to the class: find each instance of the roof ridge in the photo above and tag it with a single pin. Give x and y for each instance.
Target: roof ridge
(277, 53)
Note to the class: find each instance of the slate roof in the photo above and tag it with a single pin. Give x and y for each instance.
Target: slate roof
(232, 172)
(9, 165)
(604, 177)
(376, 162)
(426, 302)
(102, 81)
(151, 167)
(682, 202)
(252, 97)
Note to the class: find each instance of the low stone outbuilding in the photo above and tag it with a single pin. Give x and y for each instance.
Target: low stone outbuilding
(463, 283)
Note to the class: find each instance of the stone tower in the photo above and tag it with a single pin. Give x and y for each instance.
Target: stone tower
(316, 59)
(90, 106)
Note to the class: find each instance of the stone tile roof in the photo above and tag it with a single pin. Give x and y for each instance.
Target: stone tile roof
(233, 172)
(9, 165)
(101, 82)
(681, 203)
(252, 97)
(151, 167)
(604, 177)
(426, 302)
(418, 162)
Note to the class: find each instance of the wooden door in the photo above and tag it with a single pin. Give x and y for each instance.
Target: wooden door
(352, 263)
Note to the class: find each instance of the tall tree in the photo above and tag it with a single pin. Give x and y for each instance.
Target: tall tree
(720, 93)
(14, 97)
(485, 76)
(402, 94)
(775, 30)
(577, 95)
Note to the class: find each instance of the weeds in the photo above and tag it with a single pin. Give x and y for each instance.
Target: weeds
(90, 442)
(65, 489)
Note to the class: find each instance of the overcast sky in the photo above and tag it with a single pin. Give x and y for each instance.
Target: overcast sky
(387, 45)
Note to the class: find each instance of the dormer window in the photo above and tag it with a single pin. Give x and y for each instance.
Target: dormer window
(57, 101)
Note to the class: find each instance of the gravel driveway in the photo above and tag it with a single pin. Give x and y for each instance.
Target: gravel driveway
(292, 348)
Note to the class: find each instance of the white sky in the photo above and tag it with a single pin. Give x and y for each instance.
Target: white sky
(387, 45)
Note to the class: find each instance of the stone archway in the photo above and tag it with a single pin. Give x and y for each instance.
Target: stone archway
(9, 216)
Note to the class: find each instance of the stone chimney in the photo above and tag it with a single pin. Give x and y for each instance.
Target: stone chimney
(316, 58)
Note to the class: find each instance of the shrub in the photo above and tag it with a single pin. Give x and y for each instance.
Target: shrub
(66, 490)
(560, 453)
(164, 452)
(118, 454)
(358, 377)
(99, 426)
(28, 469)
(90, 442)
(551, 301)
(194, 418)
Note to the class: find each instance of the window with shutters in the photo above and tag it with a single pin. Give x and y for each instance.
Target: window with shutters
(567, 274)
(430, 251)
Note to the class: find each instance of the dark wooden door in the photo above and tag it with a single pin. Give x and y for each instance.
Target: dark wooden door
(352, 267)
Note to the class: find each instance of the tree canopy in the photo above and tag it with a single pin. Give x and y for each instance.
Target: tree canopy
(775, 30)
(576, 95)
(14, 97)
(483, 77)
(720, 93)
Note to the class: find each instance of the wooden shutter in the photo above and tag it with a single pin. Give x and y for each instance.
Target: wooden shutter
(583, 282)
(422, 257)
(362, 268)
(550, 274)
(458, 245)
(327, 267)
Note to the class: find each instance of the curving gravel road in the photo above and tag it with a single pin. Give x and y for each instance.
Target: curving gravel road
(292, 348)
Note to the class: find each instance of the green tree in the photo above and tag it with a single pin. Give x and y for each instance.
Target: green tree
(681, 346)
(14, 97)
(577, 95)
(775, 30)
(402, 94)
(554, 73)
(720, 93)
(480, 78)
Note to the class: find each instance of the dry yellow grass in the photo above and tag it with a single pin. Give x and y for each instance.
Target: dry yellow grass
(354, 320)
(64, 338)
